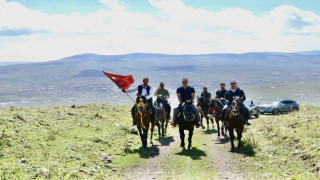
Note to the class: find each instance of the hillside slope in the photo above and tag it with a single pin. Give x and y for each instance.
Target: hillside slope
(286, 146)
(97, 142)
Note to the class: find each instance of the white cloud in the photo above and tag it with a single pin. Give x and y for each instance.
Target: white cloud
(176, 29)
(113, 4)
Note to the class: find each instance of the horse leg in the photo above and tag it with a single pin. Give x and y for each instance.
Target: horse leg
(159, 127)
(239, 134)
(201, 116)
(141, 135)
(207, 122)
(211, 120)
(231, 133)
(165, 130)
(182, 137)
(152, 129)
(218, 127)
(225, 130)
(162, 126)
(145, 132)
(190, 139)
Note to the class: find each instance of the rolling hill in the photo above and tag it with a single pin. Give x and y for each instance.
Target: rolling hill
(78, 79)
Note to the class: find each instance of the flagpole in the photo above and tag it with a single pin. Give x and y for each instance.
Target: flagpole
(130, 97)
(121, 89)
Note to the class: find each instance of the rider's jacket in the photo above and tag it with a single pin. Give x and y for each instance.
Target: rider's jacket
(231, 93)
(221, 93)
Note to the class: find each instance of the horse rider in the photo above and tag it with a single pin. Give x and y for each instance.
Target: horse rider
(206, 95)
(164, 93)
(146, 91)
(235, 91)
(220, 94)
(185, 93)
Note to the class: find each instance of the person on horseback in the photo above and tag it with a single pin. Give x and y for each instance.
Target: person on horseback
(164, 93)
(220, 94)
(146, 91)
(185, 93)
(206, 95)
(234, 91)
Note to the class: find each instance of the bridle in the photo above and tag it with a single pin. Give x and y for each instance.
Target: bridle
(185, 106)
(142, 112)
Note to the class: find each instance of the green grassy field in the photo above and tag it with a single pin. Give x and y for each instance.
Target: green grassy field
(286, 146)
(98, 142)
(65, 142)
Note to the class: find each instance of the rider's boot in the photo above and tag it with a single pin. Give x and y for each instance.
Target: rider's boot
(198, 124)
(247, 118)
(224, 123)
(174, 119)
(169, 112)
(133, 116)
(153, 120)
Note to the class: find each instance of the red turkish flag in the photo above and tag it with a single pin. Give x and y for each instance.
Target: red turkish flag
(122, 82)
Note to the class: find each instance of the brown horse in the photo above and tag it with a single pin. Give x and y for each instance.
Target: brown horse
(142, 118)
(204, 110)
(160, 117)
(215, 110)
(235, 118)
(186, 122)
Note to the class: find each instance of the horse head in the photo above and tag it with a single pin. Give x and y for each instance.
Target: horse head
(159, 103)
(212, 107)
(188, 111)
(236, 106)
(202, 102)
(141, 104)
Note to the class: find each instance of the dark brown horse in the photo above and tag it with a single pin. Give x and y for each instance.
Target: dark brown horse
(160, 117)
(235, 118)
(215, 110)
(142, 118)
(204, 110)
(186, 122)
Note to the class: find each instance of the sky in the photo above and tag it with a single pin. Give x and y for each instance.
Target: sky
(43, 30)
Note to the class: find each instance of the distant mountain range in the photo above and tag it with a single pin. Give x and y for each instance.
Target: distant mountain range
(315, 52)
(57, 80)
(11, 63)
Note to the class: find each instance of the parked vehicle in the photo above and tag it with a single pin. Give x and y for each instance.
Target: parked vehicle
(279, 106)
(253, 109)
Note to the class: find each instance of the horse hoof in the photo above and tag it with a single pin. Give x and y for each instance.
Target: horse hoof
(232, 149)
(203, 127)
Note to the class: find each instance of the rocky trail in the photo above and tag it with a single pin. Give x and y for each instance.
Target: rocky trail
(215, 154)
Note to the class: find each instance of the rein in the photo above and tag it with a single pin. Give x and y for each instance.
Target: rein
(141, 104)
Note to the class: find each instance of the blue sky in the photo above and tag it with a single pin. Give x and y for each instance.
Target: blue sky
(41, 30)
(86, 6)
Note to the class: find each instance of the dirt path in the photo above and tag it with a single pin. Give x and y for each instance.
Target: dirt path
(221, 160)
(151, 167)
(226, 163)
